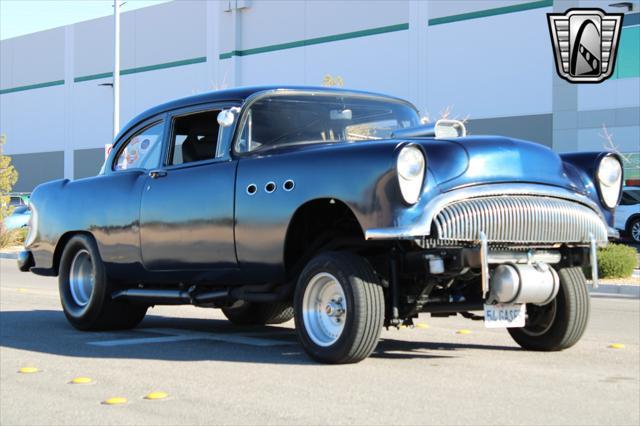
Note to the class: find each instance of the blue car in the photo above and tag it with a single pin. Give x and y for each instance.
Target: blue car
(19, 218)
(339, 209)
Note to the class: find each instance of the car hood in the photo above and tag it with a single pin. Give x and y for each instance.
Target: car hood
(476, 160)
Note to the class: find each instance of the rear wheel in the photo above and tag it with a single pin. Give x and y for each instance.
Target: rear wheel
(85, 291)
(251, 313)
(559, 324)
(339, 308)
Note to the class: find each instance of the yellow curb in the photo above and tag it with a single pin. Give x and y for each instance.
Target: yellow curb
(420, 325)
(156, 395)
(463, 331)
(81, 380)
(28, 370)
(616, 346)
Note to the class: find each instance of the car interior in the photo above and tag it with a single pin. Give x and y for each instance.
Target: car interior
(195, 137)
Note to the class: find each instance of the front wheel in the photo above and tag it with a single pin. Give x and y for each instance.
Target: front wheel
(559, 324)
(85, 290)
(339, 308)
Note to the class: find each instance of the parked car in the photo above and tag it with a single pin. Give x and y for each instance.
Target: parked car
(19, 218)
(336, 208)
(627, 218)
(18, 199)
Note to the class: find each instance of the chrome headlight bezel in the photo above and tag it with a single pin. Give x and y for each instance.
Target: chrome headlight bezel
(33, 226)
(411, 166)
(609, 179)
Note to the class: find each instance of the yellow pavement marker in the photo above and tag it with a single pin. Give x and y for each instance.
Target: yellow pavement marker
(463, 331)
(28, 370)
(616, 346)
(422, 325)
(22, 290)
(81, 381)
(116, 400)
(156, 395)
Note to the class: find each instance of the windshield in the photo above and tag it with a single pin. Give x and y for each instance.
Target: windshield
(315, 118)
(630, 197)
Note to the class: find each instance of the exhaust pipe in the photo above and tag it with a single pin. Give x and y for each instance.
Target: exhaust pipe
(169, 297)
(155, 297)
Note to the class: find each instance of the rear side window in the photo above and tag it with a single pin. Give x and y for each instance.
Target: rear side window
(142, 150)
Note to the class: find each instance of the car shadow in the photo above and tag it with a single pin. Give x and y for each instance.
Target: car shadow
(47, 331)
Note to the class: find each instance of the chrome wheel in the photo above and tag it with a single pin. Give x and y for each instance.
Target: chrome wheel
(324, 309)
(635, 231)
(81, 278)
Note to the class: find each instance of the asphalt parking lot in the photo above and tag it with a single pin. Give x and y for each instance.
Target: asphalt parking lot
(214, 372)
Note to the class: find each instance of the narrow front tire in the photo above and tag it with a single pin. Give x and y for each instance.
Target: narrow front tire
(559, 324)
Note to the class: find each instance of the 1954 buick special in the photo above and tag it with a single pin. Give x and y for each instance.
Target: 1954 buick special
(337, 208)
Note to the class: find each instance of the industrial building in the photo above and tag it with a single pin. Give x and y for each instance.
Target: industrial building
(489, 61)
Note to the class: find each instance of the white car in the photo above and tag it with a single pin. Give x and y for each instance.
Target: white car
(628, 212)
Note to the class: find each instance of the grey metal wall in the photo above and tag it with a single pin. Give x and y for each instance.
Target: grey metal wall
(34, 169)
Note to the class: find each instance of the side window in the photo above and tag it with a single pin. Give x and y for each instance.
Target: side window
(194, 138)
(142, 150)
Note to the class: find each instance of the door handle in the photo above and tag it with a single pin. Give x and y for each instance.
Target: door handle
(155, 174)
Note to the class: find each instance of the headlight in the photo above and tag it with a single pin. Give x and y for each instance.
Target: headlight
(410, 167)
(609, 178)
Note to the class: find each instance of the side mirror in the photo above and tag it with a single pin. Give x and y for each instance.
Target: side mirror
(225, 118)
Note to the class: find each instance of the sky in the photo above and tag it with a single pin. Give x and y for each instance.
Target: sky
(19, 17)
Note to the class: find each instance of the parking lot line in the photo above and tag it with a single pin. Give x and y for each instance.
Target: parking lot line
(142, 340)
(175, 335)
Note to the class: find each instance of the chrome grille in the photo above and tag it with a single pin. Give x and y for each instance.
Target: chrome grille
(519, 219)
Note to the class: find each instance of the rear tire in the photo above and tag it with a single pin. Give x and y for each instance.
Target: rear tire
(559, 324)
(85, 290)
(251, 313)
(339, 308)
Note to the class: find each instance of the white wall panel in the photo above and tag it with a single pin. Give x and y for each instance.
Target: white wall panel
(33, 120)
(33, 59)
(491, 67)
(609, 94)
(384, 68)
(625, 138)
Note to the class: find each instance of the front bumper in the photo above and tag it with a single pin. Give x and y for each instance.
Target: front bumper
(25, 261)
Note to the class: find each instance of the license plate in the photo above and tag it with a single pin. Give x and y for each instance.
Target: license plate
(501, 316)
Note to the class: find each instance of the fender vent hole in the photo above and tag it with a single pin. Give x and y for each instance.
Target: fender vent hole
(288, 185)
(270, 187)
(251, 189)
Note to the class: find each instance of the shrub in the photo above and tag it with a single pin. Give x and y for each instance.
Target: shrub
(615, 261)
(13, 237)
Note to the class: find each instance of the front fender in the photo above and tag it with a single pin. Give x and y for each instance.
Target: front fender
(582, 167)
(362, 176)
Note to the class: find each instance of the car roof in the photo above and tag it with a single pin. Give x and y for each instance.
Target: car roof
(238, 94)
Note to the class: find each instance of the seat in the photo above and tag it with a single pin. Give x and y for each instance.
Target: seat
(198, 149)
